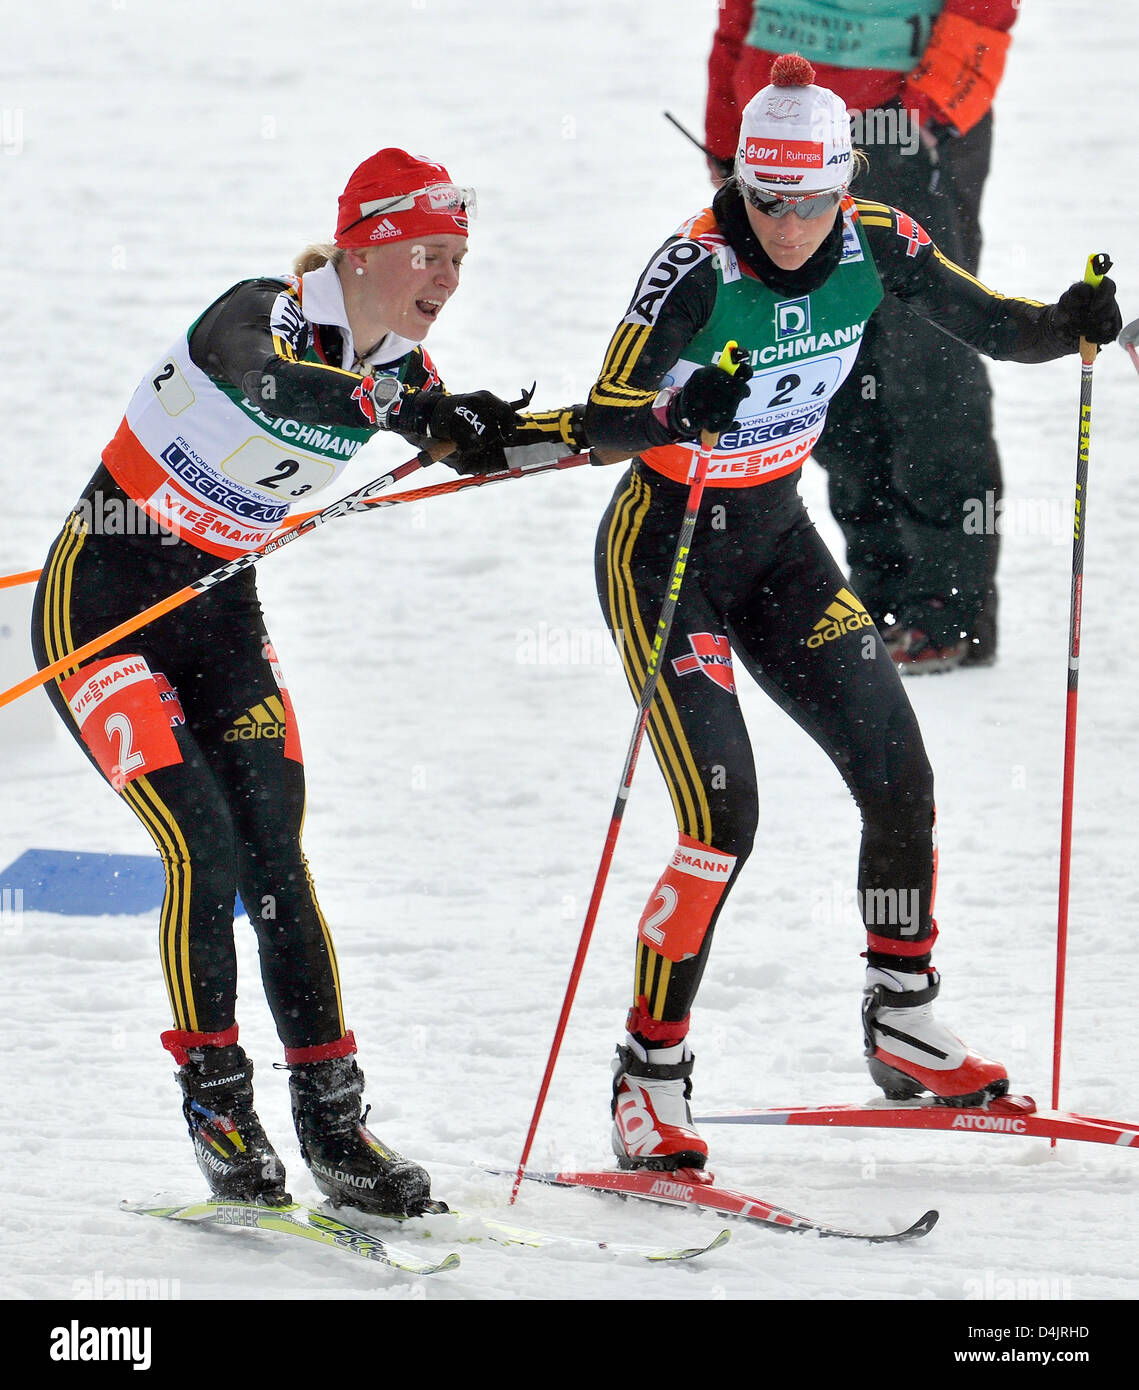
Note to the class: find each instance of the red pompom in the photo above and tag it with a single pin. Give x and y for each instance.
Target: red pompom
(792, 70)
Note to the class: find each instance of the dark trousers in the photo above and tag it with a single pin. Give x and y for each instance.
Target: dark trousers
(760, 577)
(909, 447)
(226, 819)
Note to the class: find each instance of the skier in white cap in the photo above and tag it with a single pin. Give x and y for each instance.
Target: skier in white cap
(791, 266)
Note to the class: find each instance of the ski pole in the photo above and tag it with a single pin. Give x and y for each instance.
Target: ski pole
(729, 360)
(9, 581)
(602, 456)
(352, 502)
(688, 135)
(362, 499)
(1128, 339)
(1097, 268)
(720, 169)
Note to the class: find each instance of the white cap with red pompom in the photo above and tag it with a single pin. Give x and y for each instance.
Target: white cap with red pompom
(794, 136)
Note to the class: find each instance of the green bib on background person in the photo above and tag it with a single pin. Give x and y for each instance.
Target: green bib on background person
(887, 34)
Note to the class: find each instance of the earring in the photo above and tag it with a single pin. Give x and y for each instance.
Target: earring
(359, 270)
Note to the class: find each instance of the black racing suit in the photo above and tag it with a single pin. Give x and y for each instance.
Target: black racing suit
(225, 811)
(761, 586)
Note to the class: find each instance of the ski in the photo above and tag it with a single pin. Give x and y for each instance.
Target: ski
(1003, 1115)
(294, 1220)
(471, 1228)
(691, 1188)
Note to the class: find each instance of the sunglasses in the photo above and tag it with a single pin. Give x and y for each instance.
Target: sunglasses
(436, 197)
(808, 206)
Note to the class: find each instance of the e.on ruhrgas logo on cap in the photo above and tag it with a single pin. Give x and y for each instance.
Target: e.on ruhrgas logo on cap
(793, 154)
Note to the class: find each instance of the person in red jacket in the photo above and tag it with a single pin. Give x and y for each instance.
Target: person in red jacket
(910, 452)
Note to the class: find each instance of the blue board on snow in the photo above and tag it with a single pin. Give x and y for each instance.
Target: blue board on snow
(75, 883)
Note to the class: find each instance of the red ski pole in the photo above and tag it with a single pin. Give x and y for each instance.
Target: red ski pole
(1127, 341)
(730, 359)
(1097, 268)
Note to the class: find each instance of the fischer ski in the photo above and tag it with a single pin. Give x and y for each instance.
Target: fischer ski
(693, 1188)
(472, 1227)
(295, 1220)
(1002, 1115)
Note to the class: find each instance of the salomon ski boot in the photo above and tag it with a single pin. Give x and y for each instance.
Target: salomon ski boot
(348, 1163)
(652, 1121)
(909, 1052)
(232, 1149)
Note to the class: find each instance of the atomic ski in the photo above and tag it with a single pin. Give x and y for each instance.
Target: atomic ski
(692, 1188)
(294, 1220)
(1003, 1115)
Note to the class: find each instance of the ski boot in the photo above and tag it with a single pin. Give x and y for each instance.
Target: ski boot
(348, 1163)
(908, 1052)
(652, 1121)
(231, 1148)
(915, 653)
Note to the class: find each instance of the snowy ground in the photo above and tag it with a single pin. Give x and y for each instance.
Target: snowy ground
(464, 723)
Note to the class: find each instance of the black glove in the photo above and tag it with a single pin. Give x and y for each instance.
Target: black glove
(502, 426)
(478, 423)
(1088, 311)
(708, 400)
(470, 462)
(720, 170)
(479, 420)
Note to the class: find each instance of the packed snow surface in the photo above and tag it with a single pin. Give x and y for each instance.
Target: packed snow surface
(464, 720)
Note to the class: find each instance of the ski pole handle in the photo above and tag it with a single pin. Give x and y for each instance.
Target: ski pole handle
(1099, 263)
(730, 360)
